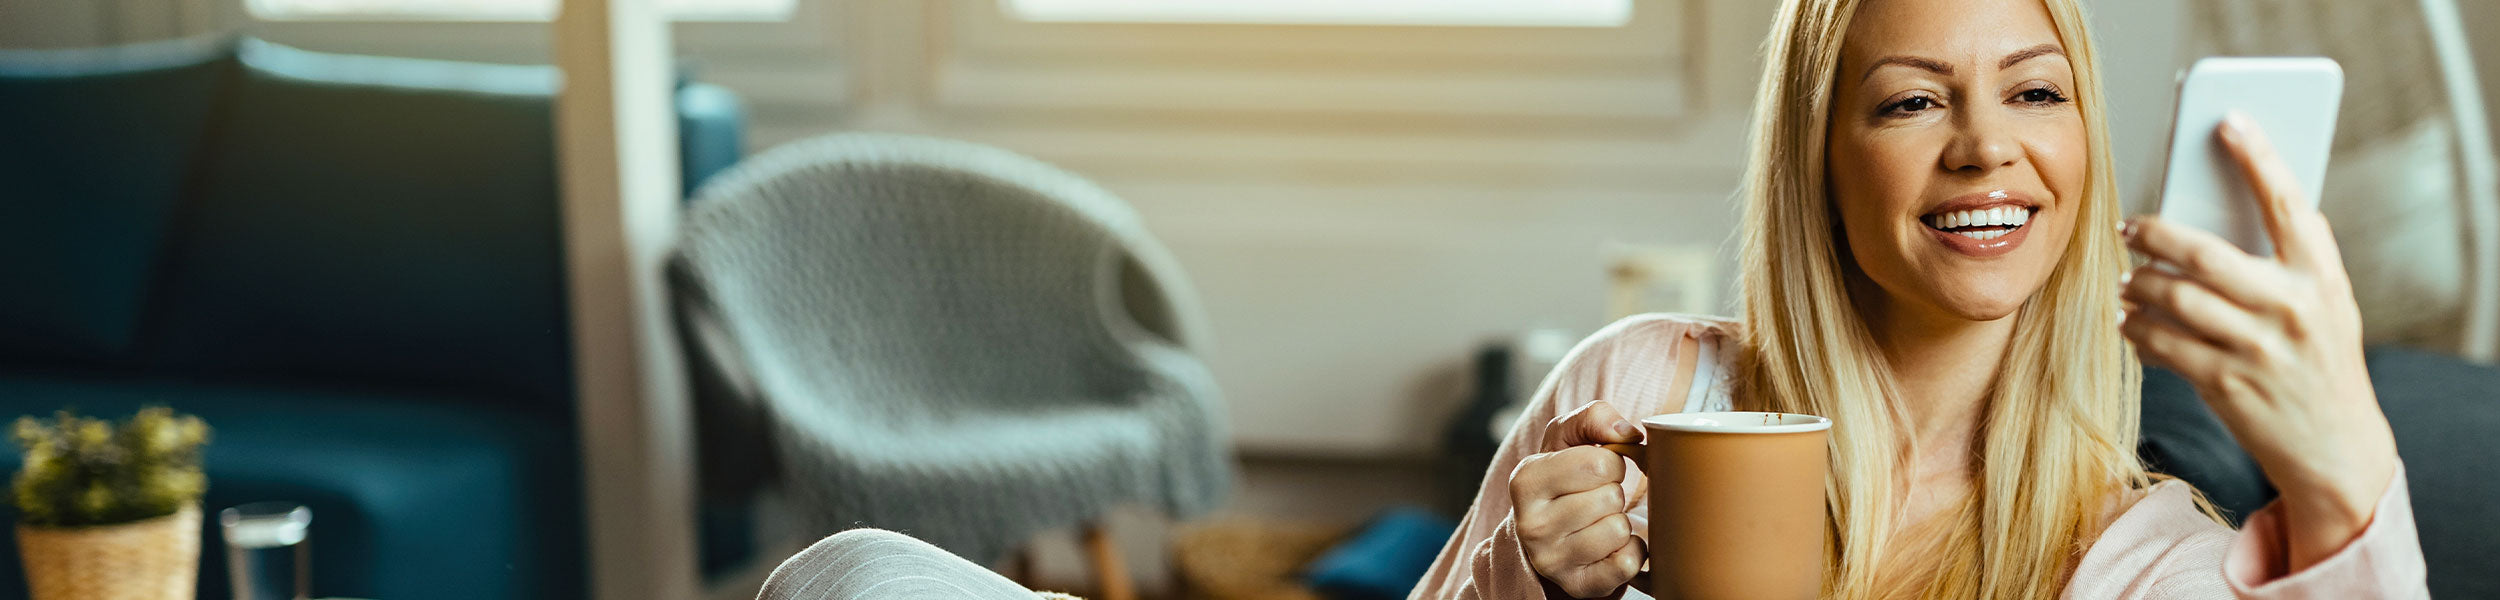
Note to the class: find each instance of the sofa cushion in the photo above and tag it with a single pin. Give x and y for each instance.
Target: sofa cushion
(386, 221)
(98, 144)
(2443, 414)
(413, 496)
(2183, 438)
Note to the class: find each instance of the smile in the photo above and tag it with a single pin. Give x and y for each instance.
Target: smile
(1981, 225)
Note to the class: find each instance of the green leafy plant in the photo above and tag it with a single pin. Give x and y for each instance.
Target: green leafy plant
(83, 472)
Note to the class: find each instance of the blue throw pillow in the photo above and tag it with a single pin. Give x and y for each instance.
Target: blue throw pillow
(1384, 560)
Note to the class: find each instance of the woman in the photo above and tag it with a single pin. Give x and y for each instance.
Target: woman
(1931, 259)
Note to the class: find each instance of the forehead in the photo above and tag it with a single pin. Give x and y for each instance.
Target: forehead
(1953, 31)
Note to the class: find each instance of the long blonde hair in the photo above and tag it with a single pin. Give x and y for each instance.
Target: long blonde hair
(2058, 437)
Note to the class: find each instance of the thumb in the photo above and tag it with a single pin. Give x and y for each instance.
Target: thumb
(1594, 423)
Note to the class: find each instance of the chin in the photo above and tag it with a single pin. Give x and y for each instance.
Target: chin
(1989, 312)
(1981, 301)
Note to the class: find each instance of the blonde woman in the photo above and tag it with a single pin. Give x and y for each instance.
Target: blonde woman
(1932, 258)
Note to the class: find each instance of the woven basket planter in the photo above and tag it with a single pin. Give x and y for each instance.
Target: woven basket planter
(1249, 559)
(155, 559)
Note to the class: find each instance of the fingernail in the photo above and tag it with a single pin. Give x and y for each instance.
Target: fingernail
(1622, 428)
(2126, 229)
(2235, 123)
(2125, 276)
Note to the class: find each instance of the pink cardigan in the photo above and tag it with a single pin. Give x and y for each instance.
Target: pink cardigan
(2158, 545)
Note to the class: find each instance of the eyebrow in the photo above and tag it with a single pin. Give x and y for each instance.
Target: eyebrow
(1931, 66)
(2029, 53)
(1939, 68)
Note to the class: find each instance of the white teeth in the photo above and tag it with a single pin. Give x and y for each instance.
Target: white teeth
(2013, 216)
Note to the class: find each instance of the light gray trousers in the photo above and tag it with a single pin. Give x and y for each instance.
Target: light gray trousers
(863, 564)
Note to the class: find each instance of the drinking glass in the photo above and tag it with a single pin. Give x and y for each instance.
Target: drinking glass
(267, 556)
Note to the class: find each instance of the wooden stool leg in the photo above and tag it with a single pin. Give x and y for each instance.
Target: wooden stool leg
(1110, 576)
(1019, 567)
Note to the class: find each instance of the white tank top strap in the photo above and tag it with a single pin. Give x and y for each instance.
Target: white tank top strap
(1708, 392)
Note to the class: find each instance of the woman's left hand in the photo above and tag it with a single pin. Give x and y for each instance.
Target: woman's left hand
(2273, 345)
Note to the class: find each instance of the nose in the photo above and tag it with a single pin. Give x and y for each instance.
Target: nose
(1981, 143)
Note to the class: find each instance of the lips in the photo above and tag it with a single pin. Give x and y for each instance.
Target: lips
(1982, 225)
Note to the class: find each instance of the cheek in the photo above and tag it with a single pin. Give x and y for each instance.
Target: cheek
(2064, 165)
(2059, 153)
(1876, 178)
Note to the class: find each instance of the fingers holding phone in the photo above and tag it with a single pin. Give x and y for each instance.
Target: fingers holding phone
(2266, 329)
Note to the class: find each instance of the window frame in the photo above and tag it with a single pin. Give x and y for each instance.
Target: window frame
(1648, 69)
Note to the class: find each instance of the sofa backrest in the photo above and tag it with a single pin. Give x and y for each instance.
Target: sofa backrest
(374, 220)
(238, 210)
(95, 145)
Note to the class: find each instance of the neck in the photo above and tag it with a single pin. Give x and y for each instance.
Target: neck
(1944, 366)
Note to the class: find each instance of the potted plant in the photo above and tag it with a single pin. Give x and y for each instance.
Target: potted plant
(107, 512)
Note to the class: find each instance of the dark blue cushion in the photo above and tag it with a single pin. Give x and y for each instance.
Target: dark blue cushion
(412, 496)
(95, 145)
(1384, 560)
(390, 222)
(711, 132)
(2445, 412)
(2183, 438)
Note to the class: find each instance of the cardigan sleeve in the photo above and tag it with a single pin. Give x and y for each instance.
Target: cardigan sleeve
(2163, 548)
(2384, 561)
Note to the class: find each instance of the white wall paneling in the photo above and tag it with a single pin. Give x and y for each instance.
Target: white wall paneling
(72, 23)
(616, 149)
(989, 61)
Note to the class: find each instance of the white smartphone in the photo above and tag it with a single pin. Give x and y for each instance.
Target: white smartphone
(2293, 100)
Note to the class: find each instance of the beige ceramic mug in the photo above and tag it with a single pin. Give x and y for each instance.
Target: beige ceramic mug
(1736, 504)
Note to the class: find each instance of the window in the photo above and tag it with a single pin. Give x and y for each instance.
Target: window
(500, 10)
(1529, 13)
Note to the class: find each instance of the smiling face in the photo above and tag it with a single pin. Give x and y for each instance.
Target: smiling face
(1956, 154)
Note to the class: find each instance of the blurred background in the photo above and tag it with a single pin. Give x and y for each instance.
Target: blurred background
(1364, 230)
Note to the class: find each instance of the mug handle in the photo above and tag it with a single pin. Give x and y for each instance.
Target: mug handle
(1638, 453)
(1640, 460)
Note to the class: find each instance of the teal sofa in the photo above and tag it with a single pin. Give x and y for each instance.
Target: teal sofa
(351, 267)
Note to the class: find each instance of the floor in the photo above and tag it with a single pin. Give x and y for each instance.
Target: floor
(1295, 490)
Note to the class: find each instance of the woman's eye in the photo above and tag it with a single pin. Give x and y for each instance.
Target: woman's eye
(1910, 105)
(2040, 95)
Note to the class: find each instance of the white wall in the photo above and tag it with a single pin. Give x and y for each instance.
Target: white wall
(1361, 209)
(2482, 28)
(2140, 47)
(72, 23)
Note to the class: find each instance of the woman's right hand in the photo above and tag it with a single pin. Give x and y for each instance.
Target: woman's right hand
(1568, 504)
